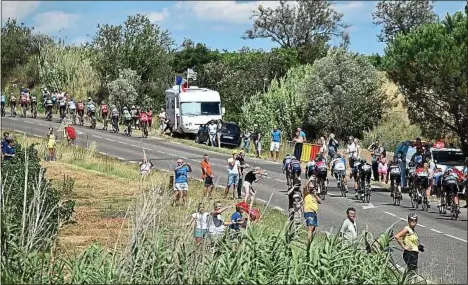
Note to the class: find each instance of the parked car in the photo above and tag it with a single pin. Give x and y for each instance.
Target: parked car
(230, 134)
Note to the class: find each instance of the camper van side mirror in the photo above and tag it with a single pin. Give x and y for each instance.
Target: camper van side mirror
(177, 111)
(223, 110)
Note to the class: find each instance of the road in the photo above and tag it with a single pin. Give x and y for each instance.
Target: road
(445, 240)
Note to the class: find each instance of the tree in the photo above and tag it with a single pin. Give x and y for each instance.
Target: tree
(344, 95)
(430, 67)
(293, 26)
(193, 56)
(123, 91)
(138, 45)
(402, 16)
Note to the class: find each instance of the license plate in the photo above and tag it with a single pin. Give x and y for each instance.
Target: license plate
(228, 137)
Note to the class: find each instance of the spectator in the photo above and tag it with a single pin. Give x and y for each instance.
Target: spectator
(242, 165)
(181, 181)
(323, 148)
(200, 221)
(349, 228)
(168, 125)
(376, 151)
(246, 141)
(219, 126)
(51, 144)
(237, 221)
(332, 146)
(8, 151)
(216, 222)
(70, 133)
(233, 176)
(275, 143)
(5, 139)
(162, 121)
(207, 176)
(311, 201)
(408, 239)
(383, 168)
(299, 142)
(149, 113)
(257, 139)
(212, 132)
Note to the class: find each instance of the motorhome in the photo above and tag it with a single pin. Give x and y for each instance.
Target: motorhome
(191, 107)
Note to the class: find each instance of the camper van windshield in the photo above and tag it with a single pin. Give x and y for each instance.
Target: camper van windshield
(199, 108)
(449, 158)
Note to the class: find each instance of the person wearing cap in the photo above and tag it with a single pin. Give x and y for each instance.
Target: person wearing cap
(242, 165)
(8, 151)
(352, 153)
(181, 181)
(408, 239)
(70, 133)
(257, 139)
(252, 176)
(207, 176)
(311, 201)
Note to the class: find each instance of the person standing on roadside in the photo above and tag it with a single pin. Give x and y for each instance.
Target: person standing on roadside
(162, 121)
(323, 148)
(408, 239)
(299, 141)
(216, 223)
(181, 180)
(51, 144)
(200, 222)
(219, 126)
(5, 139)
(207, 176)
(246, 141)
(149, 113)
(349, 228)
(332, 147)
(376, 150)
(233, 177)
(352, 154)
(275, 143)
(8, 151)
(311, 201)
(212, 132)
(257, 139)
(242, 165)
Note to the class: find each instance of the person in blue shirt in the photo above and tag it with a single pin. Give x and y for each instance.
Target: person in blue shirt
(8, 151)
(236, 219)
(5, 139)
(181, 180)
(275, 143)
(3, 105)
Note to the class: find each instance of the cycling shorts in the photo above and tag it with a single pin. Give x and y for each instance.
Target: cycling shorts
(422, 181)
(396, 178)
(340, 172)
(451, 188)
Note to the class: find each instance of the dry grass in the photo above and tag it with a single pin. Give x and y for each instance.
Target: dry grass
(105, 189)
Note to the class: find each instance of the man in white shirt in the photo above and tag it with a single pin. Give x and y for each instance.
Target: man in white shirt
(162, 120)
(349, 228)
(233, 177)
(212, 130)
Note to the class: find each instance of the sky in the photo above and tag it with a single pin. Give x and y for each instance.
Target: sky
(218, 24)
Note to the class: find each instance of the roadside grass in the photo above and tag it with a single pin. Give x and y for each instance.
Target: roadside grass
(106, 187)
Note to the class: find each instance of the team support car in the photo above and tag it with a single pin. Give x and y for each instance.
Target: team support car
(230, 134)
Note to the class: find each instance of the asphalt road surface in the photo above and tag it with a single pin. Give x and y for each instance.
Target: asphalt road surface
(445, 240)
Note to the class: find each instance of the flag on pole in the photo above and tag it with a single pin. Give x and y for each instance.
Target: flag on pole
(181, 82)
(191, 74)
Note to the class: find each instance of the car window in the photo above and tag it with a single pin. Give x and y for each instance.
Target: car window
(231, 127)
(450, 158)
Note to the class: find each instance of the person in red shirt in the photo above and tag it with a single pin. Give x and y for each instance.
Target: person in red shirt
(144, 123)
(104, 114)
(149, 112)
(422, 178)
(70, 133)
(80, 109)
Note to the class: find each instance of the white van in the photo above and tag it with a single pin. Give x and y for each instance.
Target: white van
(189, 109)
(448, 157)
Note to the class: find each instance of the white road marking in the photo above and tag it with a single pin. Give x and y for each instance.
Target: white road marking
(101, 152)
(220, 186)
(122, 143)
(38, 136)
(261, 200)
(268, 177)
(28, 122)
(120, 158)
(145, 148)
(393, 215)
(460, 239)
(369, 206)
(110, 139)
(133, 145)
(279, 180)
(171, 154)
(134, 162)
(278, 208)
(439, 232)
(97, 136)
(422, 226)
(161, 151)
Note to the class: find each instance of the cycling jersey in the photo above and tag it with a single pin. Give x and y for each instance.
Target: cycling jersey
(286, 162)
(320, 166)
(339, 164)
(394, 170)
(127, 115)
(3, 99)
(91, 107)
(310, 165)
(13, 99)
(33, 99)
(54, 99)
(71, 105)
(450, 179)
(62, 103)
(295, 165)
(421, 172)
(366, 168)
(49, 103)
(24, 99)
(115, 113)
(143, 117)
(104, 109)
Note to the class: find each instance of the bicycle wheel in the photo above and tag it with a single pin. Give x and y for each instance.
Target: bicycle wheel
(367, 195)
(322, 190)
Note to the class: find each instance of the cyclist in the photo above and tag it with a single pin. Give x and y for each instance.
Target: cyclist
(134, 113)
(104, 114)
(24, 100)
(437, 185)
(395, 178)
(355, 175)
(450, 184)
(287, 168)
(80, 110)
(421, 178)
(48, 106)
(127, 120)
(54, 99)
(91, 110)
(410, 173)
(143, 117)
(62, 107)
(321, 170)
(72, 110)
(33, 104)
(13, 105)
(115, 118)
(339, 168)
(365, 170)
(352, 153)
(295, 167)
(3, 105)
(310, 168)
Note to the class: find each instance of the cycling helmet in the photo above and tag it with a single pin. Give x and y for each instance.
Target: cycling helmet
(338, 155)
(412, 164)
(293, 157)
(89, 99)
(125, 108)
(103, 102)
(133, 106)
(362, 160)
(412, 216)
(318, 155)
(288, 154)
